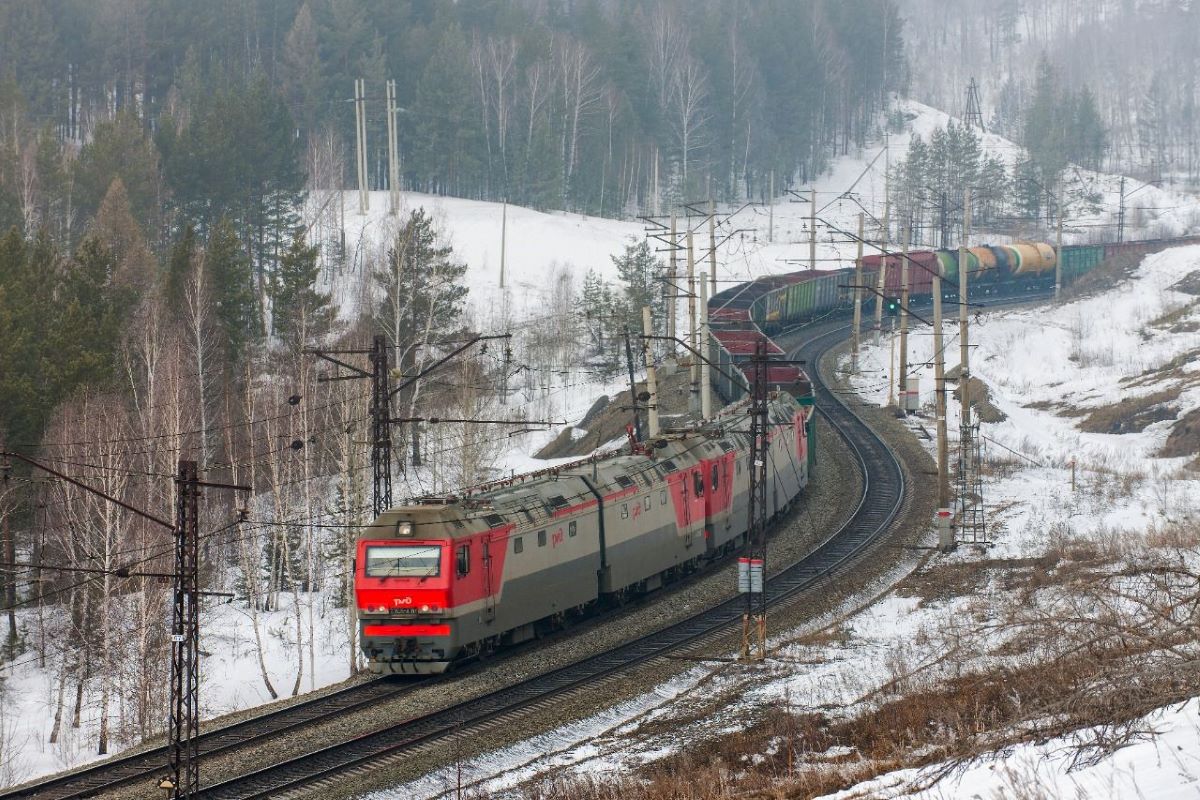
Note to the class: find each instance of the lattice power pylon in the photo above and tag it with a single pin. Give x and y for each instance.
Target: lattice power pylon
(972, 521)
(973, 116)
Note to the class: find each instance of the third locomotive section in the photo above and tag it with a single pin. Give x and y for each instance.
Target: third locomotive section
(456, 577)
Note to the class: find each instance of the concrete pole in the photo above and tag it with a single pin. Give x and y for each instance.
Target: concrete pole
(651, 373)
(360, 112)
(705, 369)
(694, 401)
(672, 288)
(939, 385)
(393, 152)
(812, 232)
(854, 343)
(712, 246)
(771, 210)
(964, 346)
(503, 238)
(883, 246)
(1058, 246)
(902, 378)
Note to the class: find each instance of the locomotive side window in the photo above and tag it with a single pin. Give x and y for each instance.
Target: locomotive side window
(404, 561)
(624, 511)
(714, 477)
(699, 478)
(463, 560)
(662, 497)
(572, 529)
(518, 545)
(541, 538)
(647, 503)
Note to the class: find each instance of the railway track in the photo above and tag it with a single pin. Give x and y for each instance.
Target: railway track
(882, 498)
(877, 507)
(147, 764)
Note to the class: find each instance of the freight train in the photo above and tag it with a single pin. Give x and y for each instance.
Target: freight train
(769, 305)
(452, 578)
(447, 579)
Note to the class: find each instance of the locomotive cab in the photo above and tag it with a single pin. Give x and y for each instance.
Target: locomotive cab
(403, 585)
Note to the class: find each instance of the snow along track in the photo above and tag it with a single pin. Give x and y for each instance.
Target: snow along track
(123, 770)
(881, 500)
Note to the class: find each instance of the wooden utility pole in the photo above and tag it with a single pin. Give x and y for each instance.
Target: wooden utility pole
(771, 210)
(694, 402)
(712, 246)
(854, 343)
(393, 151)
(360, 117)
(705, 368)
(812, 232)
(671, 290)
(902, 378)
(1058, 246)
(503, 238)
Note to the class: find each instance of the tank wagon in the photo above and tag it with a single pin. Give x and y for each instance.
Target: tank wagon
(458, 577)
(769, 306)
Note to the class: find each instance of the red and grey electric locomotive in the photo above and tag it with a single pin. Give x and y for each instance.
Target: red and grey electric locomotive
(458, 577)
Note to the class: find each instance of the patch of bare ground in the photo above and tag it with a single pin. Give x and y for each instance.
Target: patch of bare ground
(1189, 284)
(607, 418)
(1177, 320)
(1175, 369)
(981, 398)
(1184, 439)
(1133, 414)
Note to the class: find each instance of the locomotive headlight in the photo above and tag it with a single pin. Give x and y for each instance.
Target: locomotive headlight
(425, 609)
(404, 529)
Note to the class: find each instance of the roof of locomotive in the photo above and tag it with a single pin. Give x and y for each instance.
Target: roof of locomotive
(533, 499)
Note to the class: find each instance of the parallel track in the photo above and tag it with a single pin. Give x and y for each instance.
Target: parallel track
(145, 765)
(879, 504)
(883, 495)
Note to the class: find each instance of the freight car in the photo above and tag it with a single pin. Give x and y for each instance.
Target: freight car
(768, 306)
(454, 578)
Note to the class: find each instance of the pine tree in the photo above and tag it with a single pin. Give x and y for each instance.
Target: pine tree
(1088, 137)
(638, 270)
(298, 311)
(422, 287)
(179, 265)
(236, 306)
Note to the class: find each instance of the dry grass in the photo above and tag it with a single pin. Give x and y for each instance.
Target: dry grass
(1094, 635)
(1133, 414)
(1185, 437)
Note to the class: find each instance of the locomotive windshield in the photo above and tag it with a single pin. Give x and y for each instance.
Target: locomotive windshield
(404, 561)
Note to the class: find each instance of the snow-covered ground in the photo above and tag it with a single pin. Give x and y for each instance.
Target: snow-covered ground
(1012, 357)
(1032, 362)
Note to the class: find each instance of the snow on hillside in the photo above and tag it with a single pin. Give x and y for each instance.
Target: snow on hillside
(1011, 359)
(1034, 359)
(537, 245)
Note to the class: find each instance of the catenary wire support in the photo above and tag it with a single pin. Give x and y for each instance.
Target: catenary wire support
(185, 639)
(381, 429)
(752, 568)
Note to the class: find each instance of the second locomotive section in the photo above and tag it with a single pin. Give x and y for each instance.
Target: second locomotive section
(441, 581)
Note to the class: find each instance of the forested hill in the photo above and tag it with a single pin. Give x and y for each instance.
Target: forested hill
(550, 103)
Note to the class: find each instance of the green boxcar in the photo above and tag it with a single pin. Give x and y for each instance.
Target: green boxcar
(1077, 260)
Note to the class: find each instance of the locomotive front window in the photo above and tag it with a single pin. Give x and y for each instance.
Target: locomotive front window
(404, 561)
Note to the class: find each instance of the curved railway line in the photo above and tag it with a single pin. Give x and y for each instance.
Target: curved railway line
(881, 500)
